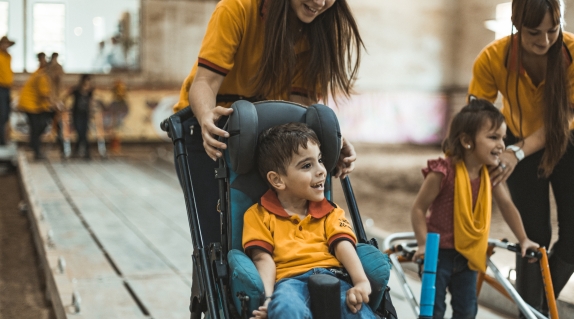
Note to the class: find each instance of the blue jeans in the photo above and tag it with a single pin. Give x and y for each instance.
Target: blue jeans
(453, 272)
(290, 299)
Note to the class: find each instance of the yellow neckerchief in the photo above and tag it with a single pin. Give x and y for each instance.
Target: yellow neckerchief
(471, 227)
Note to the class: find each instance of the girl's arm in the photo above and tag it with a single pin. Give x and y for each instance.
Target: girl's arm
(266, 268)
(359, 293)
(202, 99)
(512, 217)
(427, 194)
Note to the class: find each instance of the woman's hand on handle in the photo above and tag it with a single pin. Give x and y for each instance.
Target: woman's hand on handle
(347, 160)
(210, 132)
(499, 174)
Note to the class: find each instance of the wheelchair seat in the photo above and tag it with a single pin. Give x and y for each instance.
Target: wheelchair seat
(244, 187)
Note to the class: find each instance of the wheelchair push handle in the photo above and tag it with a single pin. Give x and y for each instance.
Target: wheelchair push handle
(182, 114)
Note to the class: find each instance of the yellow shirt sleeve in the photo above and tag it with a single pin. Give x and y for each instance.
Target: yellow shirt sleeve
(337, 226)
(223, 36)
(256, 230)
(483, 84)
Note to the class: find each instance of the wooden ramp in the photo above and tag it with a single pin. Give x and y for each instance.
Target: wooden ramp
(113, 237)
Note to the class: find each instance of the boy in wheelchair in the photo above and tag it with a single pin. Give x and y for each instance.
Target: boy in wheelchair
(294, 232)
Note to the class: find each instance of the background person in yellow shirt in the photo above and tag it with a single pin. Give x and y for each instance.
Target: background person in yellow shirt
(533, 71)
(36, 102)
(6, 79)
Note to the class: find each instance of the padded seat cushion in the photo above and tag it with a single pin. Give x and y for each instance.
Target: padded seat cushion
(244, 279)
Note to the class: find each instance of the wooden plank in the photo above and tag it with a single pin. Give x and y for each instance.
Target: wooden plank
(130, 254)
(105, 299)
(172, 245)
(164, 297)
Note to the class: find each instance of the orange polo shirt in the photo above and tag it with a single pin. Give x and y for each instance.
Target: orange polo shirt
(232, 47)
(6, 74)
(296, 245)
(491, 68)
(35, 95)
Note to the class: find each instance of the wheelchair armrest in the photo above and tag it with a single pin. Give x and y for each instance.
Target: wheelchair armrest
(245, 281)
(325, 296)
(377, 267)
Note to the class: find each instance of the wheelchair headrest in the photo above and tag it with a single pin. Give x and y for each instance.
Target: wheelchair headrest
(248, 120)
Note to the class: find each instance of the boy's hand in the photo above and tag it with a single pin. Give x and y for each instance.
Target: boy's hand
(261, 313)
(357, 295)
(528, 244)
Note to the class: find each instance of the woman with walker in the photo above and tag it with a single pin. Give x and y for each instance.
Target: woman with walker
(533, 70)
(296, 50)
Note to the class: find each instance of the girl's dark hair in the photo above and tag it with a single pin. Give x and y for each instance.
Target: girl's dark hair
(276, 146)
(530, 13)
(329, 66)
(468, 122)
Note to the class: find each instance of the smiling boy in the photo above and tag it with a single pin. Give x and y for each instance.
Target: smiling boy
(295, 232)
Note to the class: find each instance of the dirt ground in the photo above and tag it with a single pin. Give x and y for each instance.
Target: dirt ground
(21, 284)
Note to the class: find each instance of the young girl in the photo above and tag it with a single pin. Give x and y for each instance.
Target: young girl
(457, 192)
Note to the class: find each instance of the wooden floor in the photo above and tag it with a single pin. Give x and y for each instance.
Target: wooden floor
(115, 234)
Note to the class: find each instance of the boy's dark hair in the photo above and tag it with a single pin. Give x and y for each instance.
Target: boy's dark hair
(469, 121)
(276, 146)
(41, 55)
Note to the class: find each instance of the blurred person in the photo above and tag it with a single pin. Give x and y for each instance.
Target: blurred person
(457, 192)
(36, 101)
(296, 50)
(6, 80)
(116, 112)
(533, 71)
(55, 72)
(82, 94)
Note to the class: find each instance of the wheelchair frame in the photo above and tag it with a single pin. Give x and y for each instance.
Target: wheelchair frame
(400, 253)
(210, 262)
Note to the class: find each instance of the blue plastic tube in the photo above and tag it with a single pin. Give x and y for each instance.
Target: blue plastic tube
(428, 290)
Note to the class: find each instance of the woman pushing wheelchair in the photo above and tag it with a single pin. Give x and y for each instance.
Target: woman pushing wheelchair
(295, 50)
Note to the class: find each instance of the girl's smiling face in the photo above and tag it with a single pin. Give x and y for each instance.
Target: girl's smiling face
(308, 10)
(488, 144)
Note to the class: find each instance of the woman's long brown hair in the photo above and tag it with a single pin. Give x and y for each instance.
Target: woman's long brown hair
(330, 65)
(530, 13)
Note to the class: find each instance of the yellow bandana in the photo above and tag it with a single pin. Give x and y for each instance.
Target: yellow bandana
(471, 227)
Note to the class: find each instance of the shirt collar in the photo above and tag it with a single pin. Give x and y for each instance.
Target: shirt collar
(512, 56)
(316, 209)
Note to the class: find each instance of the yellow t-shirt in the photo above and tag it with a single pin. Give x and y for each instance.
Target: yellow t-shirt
(6, 74)
(296, 245)
(489, 77)
(232, 47)
(35, 95)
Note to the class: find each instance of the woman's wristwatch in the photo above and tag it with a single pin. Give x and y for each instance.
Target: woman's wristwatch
(518, 152)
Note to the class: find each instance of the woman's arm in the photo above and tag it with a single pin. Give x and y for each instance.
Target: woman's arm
(512, 217)
(266, 268)
(427, 194)
(359, 293)
(202, 99)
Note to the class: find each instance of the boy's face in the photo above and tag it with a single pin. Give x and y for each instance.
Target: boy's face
(306, 175)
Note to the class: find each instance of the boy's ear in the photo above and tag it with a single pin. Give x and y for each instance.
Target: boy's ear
(275, 180)
(466, 141)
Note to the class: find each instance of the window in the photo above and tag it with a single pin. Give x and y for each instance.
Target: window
(502, 26)
(90, 36)
(3, 18)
